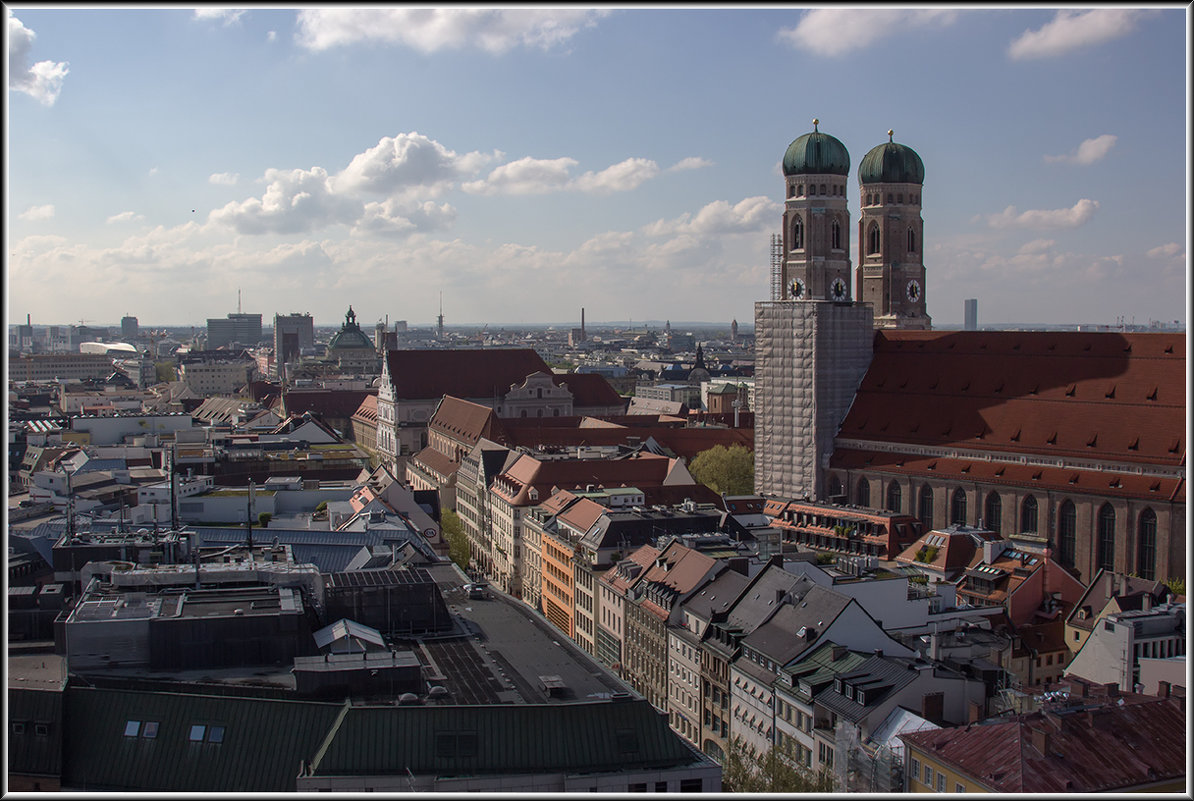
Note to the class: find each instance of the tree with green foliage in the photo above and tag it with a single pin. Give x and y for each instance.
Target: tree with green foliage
(746, 771)
(1176, 585)
(263, 519)
(726, 471)
(458, 545)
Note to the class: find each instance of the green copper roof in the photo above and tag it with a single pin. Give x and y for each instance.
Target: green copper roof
(816, 154)
(891, 163)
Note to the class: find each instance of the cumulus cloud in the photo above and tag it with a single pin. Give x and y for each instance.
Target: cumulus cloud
(295, 201)
(392, 218)
(1090, 151)
(621, 177)
(1166, 251)
(526, 176)
(836, 31)
(43, 80)
(1072, 30)
(126, 216)
(1072, 217)
(531, 176)
(1037, 246)
(227, 16)
(690, 163)
(430, 29)
(720, 218)
(224, 178)
(35, 213)
(407, 161)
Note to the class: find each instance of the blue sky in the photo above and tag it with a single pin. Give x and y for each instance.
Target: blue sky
(526, 163)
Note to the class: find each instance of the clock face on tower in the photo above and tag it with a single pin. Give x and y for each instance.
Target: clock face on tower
(796, 289)
(837, 290)
(913, 290)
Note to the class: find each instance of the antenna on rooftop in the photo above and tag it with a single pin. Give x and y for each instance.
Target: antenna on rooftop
(238, 300)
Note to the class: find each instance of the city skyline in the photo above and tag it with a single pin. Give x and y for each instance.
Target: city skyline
(529, 163)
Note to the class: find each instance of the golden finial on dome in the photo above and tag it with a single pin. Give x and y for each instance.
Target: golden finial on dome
(890, 134)
(815, 122)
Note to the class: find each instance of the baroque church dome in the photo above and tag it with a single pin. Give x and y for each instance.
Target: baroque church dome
(350, 336)
(816, 153)
(891, 163)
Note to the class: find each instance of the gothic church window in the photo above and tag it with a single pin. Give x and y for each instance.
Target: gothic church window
(836, 235)
(800, 190)
(864, 492)
(894, 496)
(911, 240)
(1067, 533)
(926, 507)
(957, 508)
(1028, 515)
(1106, 543)
(1146, 547)
(797, 234)
(872, 239)
(992, 512)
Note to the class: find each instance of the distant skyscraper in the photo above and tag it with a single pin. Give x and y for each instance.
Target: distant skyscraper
(242, 328)
(128, 328)
(292, 333)
(971, 314)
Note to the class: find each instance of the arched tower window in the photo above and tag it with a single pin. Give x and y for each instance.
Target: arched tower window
(957, 507)
(1067, 534)
(836, 234)
(800, 190)
(926, 507)
(993, 512)
(894, 496)
(797, 234)
(1028, 516)
(1105, 555)
(911, 240)
(1146, 546)
(872, 238)
(863, 495)
(835, 487)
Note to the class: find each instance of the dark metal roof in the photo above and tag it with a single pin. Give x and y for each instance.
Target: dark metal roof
(447, 740)
(35, 751)
(263, 741)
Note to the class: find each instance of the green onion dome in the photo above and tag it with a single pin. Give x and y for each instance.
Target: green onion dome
(891, 163)
(816, 154)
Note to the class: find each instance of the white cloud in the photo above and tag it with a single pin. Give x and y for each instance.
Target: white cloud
(621, 177)
(295, 201)
(271, 36)
(834, 31)
(41, 81)
(225, 15)
(224, 178)
(405, 162)
(35, 213)
(431, 29)
(1071, 30)
(126, 216)
(1072, 217)
(154, 170)
(390, 218)
(1167, 251)
(1090, 151)
(526, 176)
(1037, 246)
(690, 163)
(720, 218)
(532, 176)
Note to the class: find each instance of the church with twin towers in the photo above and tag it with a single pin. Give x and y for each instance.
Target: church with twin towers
(1072, 442)
(814, 337)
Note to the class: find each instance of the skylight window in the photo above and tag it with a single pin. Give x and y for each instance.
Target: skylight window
(215, 734)
(132, 728)
(150, 730)
(197, 732)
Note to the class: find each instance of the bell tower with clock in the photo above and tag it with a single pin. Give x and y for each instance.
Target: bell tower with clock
(816, 221)
(891, 272)
(813, 342)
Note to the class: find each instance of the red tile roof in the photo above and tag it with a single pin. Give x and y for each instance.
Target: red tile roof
(514, 485)
(485, 373)
(1062, 394)
(1028, 476)
(328, 403)
(367, 411)
(1105, 749)
(465, 421)
(590, 390)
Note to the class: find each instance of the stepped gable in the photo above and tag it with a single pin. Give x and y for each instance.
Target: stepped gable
(486, 373)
